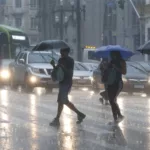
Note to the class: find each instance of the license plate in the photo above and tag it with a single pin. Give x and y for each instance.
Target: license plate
(139, 86)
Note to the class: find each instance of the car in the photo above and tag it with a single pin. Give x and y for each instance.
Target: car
(96, 80)
(91, 66)
(136, 80)
(82, 76)
(32, 69)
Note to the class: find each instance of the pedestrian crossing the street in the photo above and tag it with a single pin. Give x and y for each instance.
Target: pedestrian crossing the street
(28, 115)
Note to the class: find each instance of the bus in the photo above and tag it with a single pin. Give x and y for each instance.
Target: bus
(89, 55)
(12, 40)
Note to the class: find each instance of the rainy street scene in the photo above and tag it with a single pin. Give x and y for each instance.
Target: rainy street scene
(74, 75)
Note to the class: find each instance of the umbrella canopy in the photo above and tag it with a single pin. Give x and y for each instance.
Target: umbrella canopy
(50, 45)
(104, 51)
(145, 48)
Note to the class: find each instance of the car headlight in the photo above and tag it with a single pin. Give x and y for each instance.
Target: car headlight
(35, 70)
(124, 79)
(5, 74)
(33, 79)
(91, 78)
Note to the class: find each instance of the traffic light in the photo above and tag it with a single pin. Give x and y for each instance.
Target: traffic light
(121, 4)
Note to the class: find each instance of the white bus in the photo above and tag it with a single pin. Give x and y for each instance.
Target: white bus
(88, 55)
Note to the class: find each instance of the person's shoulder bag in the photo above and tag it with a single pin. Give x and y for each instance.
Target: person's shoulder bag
(57, 74)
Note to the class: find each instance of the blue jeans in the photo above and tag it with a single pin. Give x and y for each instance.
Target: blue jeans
(64, 90)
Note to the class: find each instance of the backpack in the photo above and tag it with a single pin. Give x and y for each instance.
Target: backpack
(57, 74)
(109, 76)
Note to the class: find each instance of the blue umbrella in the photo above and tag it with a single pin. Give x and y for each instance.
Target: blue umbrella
(104, 51)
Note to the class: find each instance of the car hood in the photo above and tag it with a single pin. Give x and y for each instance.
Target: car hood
(41, 65)
(82, 73)
(136, 76)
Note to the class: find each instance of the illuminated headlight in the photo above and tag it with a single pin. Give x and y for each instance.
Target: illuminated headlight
(35, 70)
(91, 78)
(124, 79)
(33, 79)
(5, 74)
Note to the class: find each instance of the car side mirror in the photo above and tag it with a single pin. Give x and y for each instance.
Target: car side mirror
(21, 61)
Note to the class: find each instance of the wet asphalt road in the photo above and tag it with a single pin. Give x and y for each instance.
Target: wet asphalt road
(24, 123)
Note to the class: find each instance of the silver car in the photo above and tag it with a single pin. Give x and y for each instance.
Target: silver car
(32, 69)
(81, 76)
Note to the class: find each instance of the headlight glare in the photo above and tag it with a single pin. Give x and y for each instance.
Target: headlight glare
(91, 78)
(33, 79)
(5, 74)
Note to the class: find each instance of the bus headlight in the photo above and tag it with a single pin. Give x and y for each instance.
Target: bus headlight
(5, 74)
(33, 79)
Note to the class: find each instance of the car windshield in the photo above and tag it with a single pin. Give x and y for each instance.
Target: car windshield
(78, 66)
(41, 58)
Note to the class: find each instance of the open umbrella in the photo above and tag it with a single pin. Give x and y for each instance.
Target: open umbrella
(145, 48)
(104, 51)
(50, 45)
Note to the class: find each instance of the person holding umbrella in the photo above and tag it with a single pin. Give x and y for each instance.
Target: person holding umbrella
(113, 74)
(118, 65)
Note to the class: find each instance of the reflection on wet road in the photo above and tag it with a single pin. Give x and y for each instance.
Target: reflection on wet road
(24, 123)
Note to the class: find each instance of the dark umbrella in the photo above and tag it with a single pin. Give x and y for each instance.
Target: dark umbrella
(50, 45)
(145, 49)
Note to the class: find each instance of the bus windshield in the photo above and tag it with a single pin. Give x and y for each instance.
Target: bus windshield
(12, 41)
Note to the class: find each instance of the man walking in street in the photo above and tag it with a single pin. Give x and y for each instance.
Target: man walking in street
(67, 65)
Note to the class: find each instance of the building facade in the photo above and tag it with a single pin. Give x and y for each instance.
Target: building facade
(147, 20)
(122, 26)
(22, 14)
